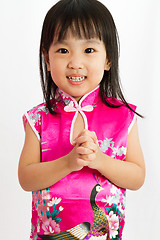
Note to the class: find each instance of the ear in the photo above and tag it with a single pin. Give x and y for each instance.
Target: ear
(46, 57)
(107, 65)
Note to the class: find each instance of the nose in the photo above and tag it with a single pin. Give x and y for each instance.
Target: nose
(75, 62)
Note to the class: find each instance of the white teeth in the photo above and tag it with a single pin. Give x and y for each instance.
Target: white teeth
(76, 79)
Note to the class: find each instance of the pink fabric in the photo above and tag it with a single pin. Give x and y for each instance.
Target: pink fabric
(67, 204)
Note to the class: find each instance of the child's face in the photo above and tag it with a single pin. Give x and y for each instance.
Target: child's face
(77, 65)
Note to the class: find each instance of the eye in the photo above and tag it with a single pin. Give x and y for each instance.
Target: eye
(63, 50)
(98, 188)
(89, 50)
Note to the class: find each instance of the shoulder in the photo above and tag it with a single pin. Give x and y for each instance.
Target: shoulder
(34, 118)
(121, 106)
(120, 112)
(39, 109)
(35, 113)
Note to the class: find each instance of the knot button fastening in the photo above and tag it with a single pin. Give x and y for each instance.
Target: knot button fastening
(71, 108)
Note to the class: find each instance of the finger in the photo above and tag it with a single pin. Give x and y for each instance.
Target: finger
(88, 157)
(82, 133)
(87, 133)
(94, 136)
(91, 134)
(83, 139)
(83, 150)
(82, 162)
(79, 135)
(90, 145)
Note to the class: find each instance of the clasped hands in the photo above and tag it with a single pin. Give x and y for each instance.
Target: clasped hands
(86, 151)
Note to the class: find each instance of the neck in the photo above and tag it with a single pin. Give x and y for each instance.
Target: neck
(93, 200)
(77, 99)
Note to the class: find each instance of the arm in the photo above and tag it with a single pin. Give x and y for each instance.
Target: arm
(34, 174)
(128, 174)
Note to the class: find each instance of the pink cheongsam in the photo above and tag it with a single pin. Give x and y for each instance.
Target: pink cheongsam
(84, 204)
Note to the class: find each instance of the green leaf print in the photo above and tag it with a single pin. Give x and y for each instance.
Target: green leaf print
(108, 209)
(57, 219)
(48, 214)
(114, 208)
(54, 214)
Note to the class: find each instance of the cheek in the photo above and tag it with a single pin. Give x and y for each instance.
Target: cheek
(98, 68)
(56, 68)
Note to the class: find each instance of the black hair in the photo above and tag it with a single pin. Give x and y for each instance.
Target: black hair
(86, 19)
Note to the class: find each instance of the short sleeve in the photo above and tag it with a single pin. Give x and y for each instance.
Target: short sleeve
(132, 117)
(33, 117)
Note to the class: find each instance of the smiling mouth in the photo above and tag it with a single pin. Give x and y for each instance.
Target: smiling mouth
(76, 79)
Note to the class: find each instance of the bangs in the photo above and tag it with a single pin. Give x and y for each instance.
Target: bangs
(80, 27)
(80, 18)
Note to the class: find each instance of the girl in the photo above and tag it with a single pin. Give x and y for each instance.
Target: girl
(81, 147)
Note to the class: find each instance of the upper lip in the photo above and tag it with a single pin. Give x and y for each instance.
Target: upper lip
(76, 75)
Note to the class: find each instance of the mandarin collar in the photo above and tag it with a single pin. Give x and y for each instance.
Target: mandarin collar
(89, 99)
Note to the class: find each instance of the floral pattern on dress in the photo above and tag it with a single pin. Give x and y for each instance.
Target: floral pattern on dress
(109, 144)
(115, 211)
(113, 225)
(48, 211)
(35, 114)
(62, 97)
(34, 230)
(50, 226)
(34, 117)
(114, 217)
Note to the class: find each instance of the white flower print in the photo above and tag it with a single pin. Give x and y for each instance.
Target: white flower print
(115, 190)
(107, 143)
(54, 201)
(121, 151)
(112, 200)
(115, 196)
(61, 208)
(116, 151)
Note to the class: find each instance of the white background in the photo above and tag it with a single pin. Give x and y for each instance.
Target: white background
(138, 24)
